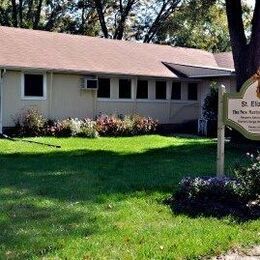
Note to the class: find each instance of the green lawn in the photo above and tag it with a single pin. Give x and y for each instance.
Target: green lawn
(102, 199)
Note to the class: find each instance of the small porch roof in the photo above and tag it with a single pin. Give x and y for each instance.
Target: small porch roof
(197, 72)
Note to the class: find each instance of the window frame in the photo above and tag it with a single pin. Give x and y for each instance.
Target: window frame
(131, 89)
(104, 98)
(197, 93)
(44, 75)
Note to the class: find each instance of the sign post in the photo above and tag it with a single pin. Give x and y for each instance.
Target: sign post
(240, 111)
(221, 132)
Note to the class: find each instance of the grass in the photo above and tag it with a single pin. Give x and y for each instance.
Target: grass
(102, 199)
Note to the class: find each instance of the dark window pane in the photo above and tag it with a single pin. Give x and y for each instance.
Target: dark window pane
(33, 85)
(92, 83)
(142, 89)
(176, 90)
(104, 88)
(193, 91)
(160, 90)
(125, 88)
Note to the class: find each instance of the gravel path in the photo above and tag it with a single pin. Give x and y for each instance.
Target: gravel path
(250, 254)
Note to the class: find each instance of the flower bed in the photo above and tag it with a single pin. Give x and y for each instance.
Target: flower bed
(32, 123)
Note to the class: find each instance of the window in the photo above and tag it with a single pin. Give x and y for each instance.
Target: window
(160, 90)
(91, 83)
(125, 88)
(193, 91)
(104, 88)
(176, 90)
(142, 89)
(33, 86)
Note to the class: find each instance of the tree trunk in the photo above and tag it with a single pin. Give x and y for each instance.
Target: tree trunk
(14, 13)
(246, 54)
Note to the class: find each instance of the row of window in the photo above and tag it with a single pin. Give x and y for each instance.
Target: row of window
(34, 87)
(125, 89)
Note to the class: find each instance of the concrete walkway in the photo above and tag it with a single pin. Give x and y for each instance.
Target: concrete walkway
(250, 254)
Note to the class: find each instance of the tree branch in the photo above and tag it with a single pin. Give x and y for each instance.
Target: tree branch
(100, 11)
(161, 17)
(119, 33)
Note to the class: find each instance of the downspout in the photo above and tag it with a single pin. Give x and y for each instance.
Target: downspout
(50, 95)
(2, 73)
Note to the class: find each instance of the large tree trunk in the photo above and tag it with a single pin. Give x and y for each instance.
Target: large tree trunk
(246, 54)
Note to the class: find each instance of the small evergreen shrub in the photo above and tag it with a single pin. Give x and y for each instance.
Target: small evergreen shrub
(210, 106)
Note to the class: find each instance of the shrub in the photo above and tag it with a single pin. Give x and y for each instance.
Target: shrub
(73, 127)
(88, 129)
(64, 128)
(249, 178)
(125, 126)
(238, 196)
(30, 122)
(143, 125)
(110, 125)
(210, 107)
(34, 124)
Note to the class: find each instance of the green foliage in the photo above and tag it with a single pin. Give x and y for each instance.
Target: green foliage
(249, 178)
(210, 106)
(221, 196)
(198, 24)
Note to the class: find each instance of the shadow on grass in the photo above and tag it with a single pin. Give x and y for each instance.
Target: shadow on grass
(31, 230)
(81, 175)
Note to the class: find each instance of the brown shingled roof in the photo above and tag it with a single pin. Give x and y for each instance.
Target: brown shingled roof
(224, 59)
(21, 48)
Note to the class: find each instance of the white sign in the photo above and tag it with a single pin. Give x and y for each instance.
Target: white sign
(242, 110)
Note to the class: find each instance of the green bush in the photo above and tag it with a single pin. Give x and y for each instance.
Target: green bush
(210, 106)
(238, 196)
(249, 178)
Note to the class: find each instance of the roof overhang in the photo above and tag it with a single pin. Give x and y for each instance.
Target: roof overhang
(83, 72)
(198, 72)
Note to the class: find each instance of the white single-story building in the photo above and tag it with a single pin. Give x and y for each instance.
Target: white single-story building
(78, 76)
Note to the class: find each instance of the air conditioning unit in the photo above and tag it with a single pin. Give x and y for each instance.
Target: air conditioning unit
(89, 83)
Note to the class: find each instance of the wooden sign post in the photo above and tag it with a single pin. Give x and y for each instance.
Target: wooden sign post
(221, 132)
(240, 111)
